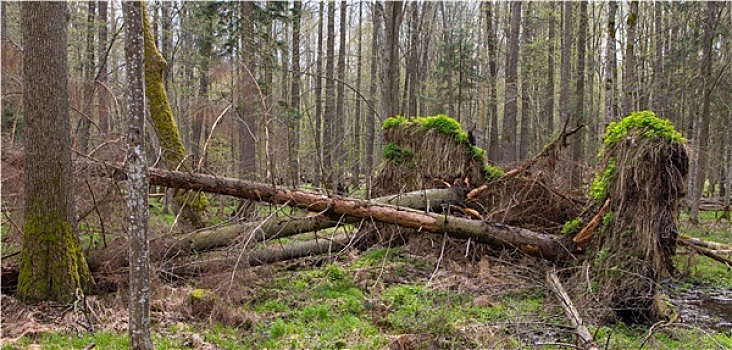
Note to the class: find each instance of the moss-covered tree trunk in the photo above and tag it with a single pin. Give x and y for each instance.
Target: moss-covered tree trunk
(194, 205)
(52, 265)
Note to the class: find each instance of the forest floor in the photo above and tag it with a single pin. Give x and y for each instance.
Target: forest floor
(429, 293)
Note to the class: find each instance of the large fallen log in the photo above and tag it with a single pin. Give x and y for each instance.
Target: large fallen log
(491, 233)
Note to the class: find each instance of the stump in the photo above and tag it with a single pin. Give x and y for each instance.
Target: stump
(645, 169)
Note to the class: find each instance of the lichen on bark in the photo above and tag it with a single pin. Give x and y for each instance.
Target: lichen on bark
(195, 205)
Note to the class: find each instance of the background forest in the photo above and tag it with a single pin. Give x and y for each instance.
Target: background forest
(308, 95)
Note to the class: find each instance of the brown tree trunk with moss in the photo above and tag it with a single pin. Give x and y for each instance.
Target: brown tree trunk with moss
(52, 265)
(194, 205)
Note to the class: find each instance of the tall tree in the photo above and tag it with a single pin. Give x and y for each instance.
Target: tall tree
(565, 70)
(413, 66)
(699, 172)
(83, 128)
(248, 93)
(526, 58)
(373, 90)
(610, 64)
(629, 79)
(393, 15)
(294, 117)
(104, 92)
(338, 121)
(579, 107)
(508, 139)
(357, 127)
(137, 200)
(657, 103)
(490, 32)
(52, 265)
(548, 107)
(194, 205)
(318, 133)
(329, 120)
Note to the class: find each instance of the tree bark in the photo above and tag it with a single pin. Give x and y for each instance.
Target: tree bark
(549, 97)
(329, 120)
(137, 200)
(579, 109)
(565, 70)
(610, 65)
(629, 89)
(83, 132)
(357, 127)
(699, 172)
(339, 156)
(194, 206)
(393, 15)
(103, 89)
(373, 91)
(294, 113)
(588, 342)
(508, 139)
(526, 37)
(413, 67)
(52, 265)
(248, 91)
(318, 132)
(494, 154)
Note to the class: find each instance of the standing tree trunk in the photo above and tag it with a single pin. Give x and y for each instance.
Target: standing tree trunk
(525, 143)
(564, 78)
(699, 172)
(629, 89)
(137, 201)
(549, 97)
(248, 97)
(339, 120)
(83, 130)
(413, 67)
(579, 108)
(508, 139)
(194, 205)
(393, 19)
(357, 108)
(373, 90)
(493, 146)
(318, 132)
(328, 136)
(103, 91)
(610, 65)
(294, 114)
(52, 265)
(657, 102)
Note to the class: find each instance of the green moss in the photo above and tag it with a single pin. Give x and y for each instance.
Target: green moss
(394, 121)
(599, 187)
(572, 226)
(477, 152)
(647, 123)
(396, 154)
(444, 124)
(52, 264)
(200, 294)
(491, 172)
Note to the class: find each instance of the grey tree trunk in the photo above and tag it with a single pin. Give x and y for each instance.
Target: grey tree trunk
(339, 156)
(83, 131)
(413, 67)
(357, 127)
(579, 109)
(329, 120)
(393, 18)
(525, 143)
(610, 65)
(52, 265)
(248, 91)
(102, 49)
(565, 70)
(294, 118)
(137, 201)
(318, 132)
(629, 89)
(494, 154)
(373, 91)
(699, 173)
(548, 107)
(508, 139)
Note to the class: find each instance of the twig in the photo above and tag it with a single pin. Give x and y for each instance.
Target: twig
(706, 252)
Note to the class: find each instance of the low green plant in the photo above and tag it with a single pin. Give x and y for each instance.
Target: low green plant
(477, 152)
(601, 181)
(572, 226)
(492, 173)
(444, 124)
(397, 154)
(647, 123)
(394, 121)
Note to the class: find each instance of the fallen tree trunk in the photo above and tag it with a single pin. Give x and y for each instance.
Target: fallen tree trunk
(588, 342)
(263, 256)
